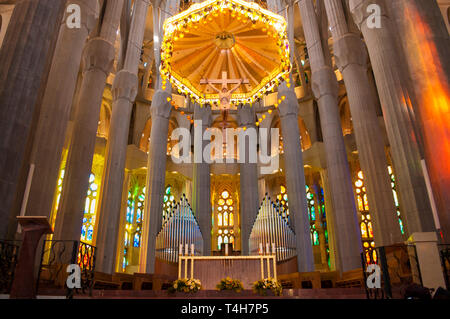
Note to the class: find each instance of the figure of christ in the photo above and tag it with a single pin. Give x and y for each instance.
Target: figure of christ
(224, 93)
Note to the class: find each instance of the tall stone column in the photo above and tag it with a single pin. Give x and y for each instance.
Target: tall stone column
(351, 58)
(124, 92)
(201, 199)
(55, 110)
(24, 65)
(249, 201)
(295, 177)
(394, 101)
(98, 61)
(426, 48)
(156, 176)
(325, 88)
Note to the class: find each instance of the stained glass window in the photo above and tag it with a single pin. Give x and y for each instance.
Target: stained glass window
(365, 222)
(87, 230)
(225, 218)
(397, 204)
(133, 223)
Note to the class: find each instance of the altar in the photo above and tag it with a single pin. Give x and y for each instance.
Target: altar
(211, 269)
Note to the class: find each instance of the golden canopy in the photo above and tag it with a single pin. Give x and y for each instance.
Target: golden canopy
(225, 40)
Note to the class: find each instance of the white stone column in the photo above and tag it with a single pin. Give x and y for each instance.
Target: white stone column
(55, 110)
(201, 189)
(325, 88)
(425, 43)
(248, 201)
(351, 58)
(295, 178)
(25, 60)
(429, 260)
(124, 92)
(98, 62)
(156, 175)
(394, 101)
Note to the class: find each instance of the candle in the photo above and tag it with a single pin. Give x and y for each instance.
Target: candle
(273, 249)
(192, 249)
(260, 248)
(186, 249)
(226, 249)
(180, 252)
(267, 249)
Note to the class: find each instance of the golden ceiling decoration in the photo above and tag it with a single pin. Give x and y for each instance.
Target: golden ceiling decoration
(225, 41)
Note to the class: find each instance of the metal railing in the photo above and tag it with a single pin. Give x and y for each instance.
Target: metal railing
(399, 267)
(56, 256)
(271, 227)
(444, 252)
(9, 255)
(179, 228)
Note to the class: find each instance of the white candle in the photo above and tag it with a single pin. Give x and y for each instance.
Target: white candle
(186, 249)
(260, 249)
(180, 252)
(226, 249)
(273, 249)
(267, 249)
(192, 249)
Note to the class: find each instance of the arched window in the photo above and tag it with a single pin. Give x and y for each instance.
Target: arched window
(225, 219)
(365, 222)
(397, 204)
(87, 230)
(133, 223)
(168, 202)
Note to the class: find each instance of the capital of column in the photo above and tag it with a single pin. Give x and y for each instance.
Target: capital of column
(289, 104)
(246, 115)
(360, 12)
(125, 86)
(161, 106)
(324, 82)
(99, 54)
(203, 114)
(350, 49)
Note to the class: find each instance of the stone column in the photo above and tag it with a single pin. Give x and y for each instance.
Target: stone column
(98, 62)
(55, 110)
(249, 198)
(429, 261)
(124, 92)
(325, 88)
(394, 101)
(156, 175)
(351, 58)
(24, 65)
(201, 199)
(295, 177)
(426, 48)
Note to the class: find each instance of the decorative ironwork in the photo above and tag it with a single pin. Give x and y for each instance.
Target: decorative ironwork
(444, 251)
(57, 255)
(9, 254)
(271, 226)
(399, 268)
(179, 228)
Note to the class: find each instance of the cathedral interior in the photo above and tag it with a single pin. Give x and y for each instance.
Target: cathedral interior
(362, 159)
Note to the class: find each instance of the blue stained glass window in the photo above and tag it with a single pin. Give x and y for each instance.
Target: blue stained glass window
(137, 239)
(313, 213)
(90, 233)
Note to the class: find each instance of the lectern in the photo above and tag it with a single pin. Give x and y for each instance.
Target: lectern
(33, 228)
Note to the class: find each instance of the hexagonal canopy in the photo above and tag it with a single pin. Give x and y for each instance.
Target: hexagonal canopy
(230, 39)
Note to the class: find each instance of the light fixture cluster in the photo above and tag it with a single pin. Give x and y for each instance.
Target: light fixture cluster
(199, 14)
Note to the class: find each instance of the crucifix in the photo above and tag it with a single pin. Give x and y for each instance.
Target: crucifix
(224, 92)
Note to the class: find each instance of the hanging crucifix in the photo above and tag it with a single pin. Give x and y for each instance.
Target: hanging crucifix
(224, 92)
